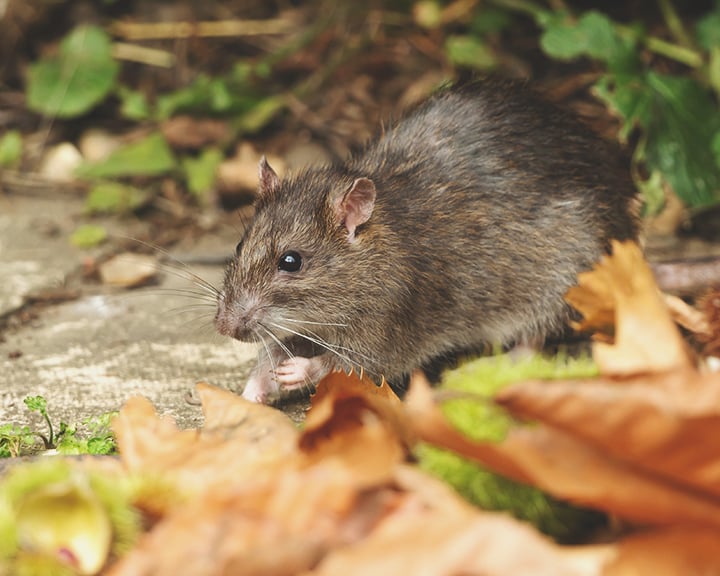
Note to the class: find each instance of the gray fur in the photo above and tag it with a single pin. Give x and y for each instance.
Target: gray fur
(489, 203)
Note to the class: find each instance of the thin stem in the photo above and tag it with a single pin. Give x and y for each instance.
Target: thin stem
(674, 23)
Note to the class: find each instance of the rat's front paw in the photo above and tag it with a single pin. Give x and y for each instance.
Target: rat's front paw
(299, 372)
(260, 387)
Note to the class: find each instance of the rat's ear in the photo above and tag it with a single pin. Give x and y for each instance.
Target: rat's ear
(269, 180)
(355, 206)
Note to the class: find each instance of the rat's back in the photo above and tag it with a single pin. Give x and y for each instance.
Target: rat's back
(498, 200)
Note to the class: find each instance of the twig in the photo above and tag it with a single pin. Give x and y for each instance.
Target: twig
(208, 29)
(35, 185)
(674, 23)
(143, 55)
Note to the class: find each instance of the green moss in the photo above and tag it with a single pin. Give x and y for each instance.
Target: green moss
(482, 420)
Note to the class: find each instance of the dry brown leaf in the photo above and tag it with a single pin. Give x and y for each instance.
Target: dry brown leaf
(193, 133)
(241, 440)
(281, 525)
(434, 533)
(258, 493)
(709, 304)
(646, 339)
(567, 469)
(663, 423)
(337, 388)
(690, 318)
(358, 425)
(673, 552)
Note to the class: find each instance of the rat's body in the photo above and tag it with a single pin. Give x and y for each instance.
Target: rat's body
(464, 224)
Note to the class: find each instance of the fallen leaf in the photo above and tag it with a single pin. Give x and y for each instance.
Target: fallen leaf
(276, 525)
(661, 423)
(623, 286)
(194, 133)
(434, 533)
(567, 469)
(358, 424)
(671, 552)
(690, 318)
(128, 269)
(241, 441)
(239, 174)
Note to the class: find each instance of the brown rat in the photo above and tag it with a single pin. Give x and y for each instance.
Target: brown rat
(463, 224)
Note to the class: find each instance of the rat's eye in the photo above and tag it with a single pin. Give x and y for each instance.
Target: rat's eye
(238, 248)
(290, 261)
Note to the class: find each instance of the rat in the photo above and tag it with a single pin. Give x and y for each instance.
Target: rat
(462, 224)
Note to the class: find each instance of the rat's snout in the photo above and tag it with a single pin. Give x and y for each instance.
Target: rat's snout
(237, 320)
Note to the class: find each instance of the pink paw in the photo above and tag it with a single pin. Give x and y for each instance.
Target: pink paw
(259, 388)
(299, 372)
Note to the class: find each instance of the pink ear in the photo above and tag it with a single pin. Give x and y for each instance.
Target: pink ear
(356, 206)
(269, 180)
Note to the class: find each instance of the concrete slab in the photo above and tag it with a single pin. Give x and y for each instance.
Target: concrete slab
(87, 356)
(34, 251)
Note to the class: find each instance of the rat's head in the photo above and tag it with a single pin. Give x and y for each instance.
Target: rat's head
(301, 258)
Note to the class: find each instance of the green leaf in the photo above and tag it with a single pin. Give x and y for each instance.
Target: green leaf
(592, 35)
(114, 197)
(201, 171)
(78, 78)
(10, 149)
(36, 404)
(101, 446)
(626, 95)
(680, 138)
(133, 104)
(707, 30)
(88, 236)
(208, 96)
(15, 441)
(148, 157)
(470, 52)
(679, 122)
(653, 192)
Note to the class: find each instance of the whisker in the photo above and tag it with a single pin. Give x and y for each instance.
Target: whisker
(267, 348)
(179, 268)
(322, 343)
(279, 342)
(314, 323)
(191, 308)
(187, 293)
(328, 345)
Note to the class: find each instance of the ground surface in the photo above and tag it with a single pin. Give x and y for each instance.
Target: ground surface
(86, 356)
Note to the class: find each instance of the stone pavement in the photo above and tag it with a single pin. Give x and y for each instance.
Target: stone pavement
(87, 356)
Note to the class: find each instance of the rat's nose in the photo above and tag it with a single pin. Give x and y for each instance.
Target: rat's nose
(236, 321)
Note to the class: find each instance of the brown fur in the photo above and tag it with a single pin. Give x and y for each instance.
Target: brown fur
(489, 202)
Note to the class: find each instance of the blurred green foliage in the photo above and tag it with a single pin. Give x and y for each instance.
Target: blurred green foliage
(664, 88)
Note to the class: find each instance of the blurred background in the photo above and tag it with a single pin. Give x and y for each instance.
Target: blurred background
(161, 109)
